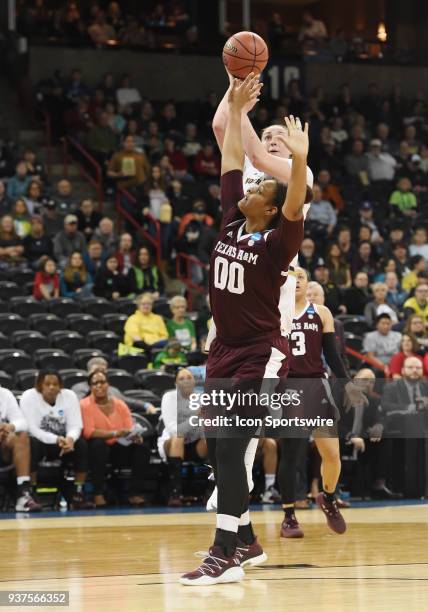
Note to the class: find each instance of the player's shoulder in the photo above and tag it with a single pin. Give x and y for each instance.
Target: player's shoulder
(323, 311)
(7, 396)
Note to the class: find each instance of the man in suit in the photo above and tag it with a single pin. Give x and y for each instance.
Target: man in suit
(408, 395)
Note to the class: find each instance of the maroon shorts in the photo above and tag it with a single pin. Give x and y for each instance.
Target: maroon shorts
(257, 367)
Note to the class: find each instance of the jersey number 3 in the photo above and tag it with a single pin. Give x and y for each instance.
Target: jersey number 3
(228, 275)
(298, 343)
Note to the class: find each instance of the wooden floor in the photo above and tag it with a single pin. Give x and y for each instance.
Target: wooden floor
(131, 563)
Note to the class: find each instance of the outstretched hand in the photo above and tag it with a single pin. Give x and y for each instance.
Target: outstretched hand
(297, 139)
(244, 93)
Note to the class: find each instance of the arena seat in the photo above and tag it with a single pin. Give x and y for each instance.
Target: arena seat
(156, 381)
(196, 358)
(29, 340)
(98, 307)
(10, 322)
(25, 305)
(353, 341)
(120, 379)
(132, 363)
(63, 307)
(4, 306)
(126, 306)
(114, 322)
(6, 380)
(68, 340)
(12, 360)
(356, 326)
(83, 355)
(72, 376)
(46, 322)
(161, 307)
(53, 358)
(9, 289)
(82, 323)
(26, 378)
(22, 277)
(145, 395)
(106, 341)
(5, 342)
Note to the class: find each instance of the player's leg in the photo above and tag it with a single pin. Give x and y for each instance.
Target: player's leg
(290, 451)
(174, 451)
(269, 450)
(16, 449)
(328, 448)
(222, 564)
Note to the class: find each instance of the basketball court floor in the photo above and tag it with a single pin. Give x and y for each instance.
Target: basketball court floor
(129, 561)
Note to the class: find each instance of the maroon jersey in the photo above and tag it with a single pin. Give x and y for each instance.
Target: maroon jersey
(306, 345)
(247, 270)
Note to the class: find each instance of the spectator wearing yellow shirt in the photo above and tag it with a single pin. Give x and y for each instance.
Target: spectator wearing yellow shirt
(130, 167)
(418, 304)
(410, 280)
(144, 329)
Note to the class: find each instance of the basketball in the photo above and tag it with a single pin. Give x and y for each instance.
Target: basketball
(245, 52)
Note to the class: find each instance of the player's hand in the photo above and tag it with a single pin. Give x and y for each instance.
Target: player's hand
(243, 92)
(297, 139)
(359, 444)
(355, 395)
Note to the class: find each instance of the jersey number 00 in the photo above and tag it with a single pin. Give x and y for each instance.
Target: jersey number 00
(228, 275)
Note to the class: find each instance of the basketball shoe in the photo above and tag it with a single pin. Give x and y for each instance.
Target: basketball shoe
(290, 527)
(216, 568)
(335, 520)
(250, 554)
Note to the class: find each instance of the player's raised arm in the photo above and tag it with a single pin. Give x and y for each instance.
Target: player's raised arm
(297, 142)
(240, 94)
(221, 116)
(259, 157)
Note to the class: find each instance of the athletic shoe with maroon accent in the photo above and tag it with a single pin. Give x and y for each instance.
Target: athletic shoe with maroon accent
(26, 503)
(250, 554)
(290, 528)
(216, 568)
(335, 520)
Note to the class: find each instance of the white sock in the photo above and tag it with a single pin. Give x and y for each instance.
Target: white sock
(21, 479)
(269, 480)
(245, 519)
(250, 454)
(227, 522)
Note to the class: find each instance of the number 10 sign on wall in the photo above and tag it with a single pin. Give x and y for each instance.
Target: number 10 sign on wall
(277, 76)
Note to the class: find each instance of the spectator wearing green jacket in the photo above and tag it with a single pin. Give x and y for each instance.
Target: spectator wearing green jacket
(180, 327)
(404, 198)
(145, 276)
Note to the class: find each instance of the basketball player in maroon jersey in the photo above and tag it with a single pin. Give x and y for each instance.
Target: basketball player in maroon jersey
(312, 336)
(260, 234)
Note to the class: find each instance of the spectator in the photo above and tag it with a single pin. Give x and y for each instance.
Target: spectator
(126, 93)
(125, 254)
(338, 133)
(383, 343)
(101, 139)
(37, 244)
(379, 305)
(409, 394)
(366, 219)
(321, 218)
(171, 355)
(144, 329)
(207, 163)
(417, 264)
(68, 241)
(100, 31)
(333, 295)
(46, 281)
(15, 450)
(192, 146)
(276, 32)
(364, 260)
(11, 248)
(94, 258)
(191, 228)
(307, 256)
(344, 240)
(34, 166)
(21, 219)
(33, 197)
(340, 271)
(418, 304)
(133, 129)
(401, 258)
(356, 162)
(312, 29)
(52, 220)
(395, 295)
(358, 295)
(106, 235)
(169, 122)
(177, 160)
(75, 280)
(415, 327)
(381, 165)
(112, 437)
(77, 87)
(419, 244)
(404, 198)
(55, 424)
(330, 191)
(5, 203)
(17, 186)
(116, 122)
(145, 276)
(179, 326)
(156, 190)
(408, 348)
(109, 282)
(87, 218)
(129, 167)
(383, 134)
(179, 439)
(64, 196)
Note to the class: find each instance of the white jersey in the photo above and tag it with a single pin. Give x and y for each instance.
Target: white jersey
(251, 177)
(10, 411)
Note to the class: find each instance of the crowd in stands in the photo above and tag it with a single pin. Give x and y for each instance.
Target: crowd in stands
(365, 236)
